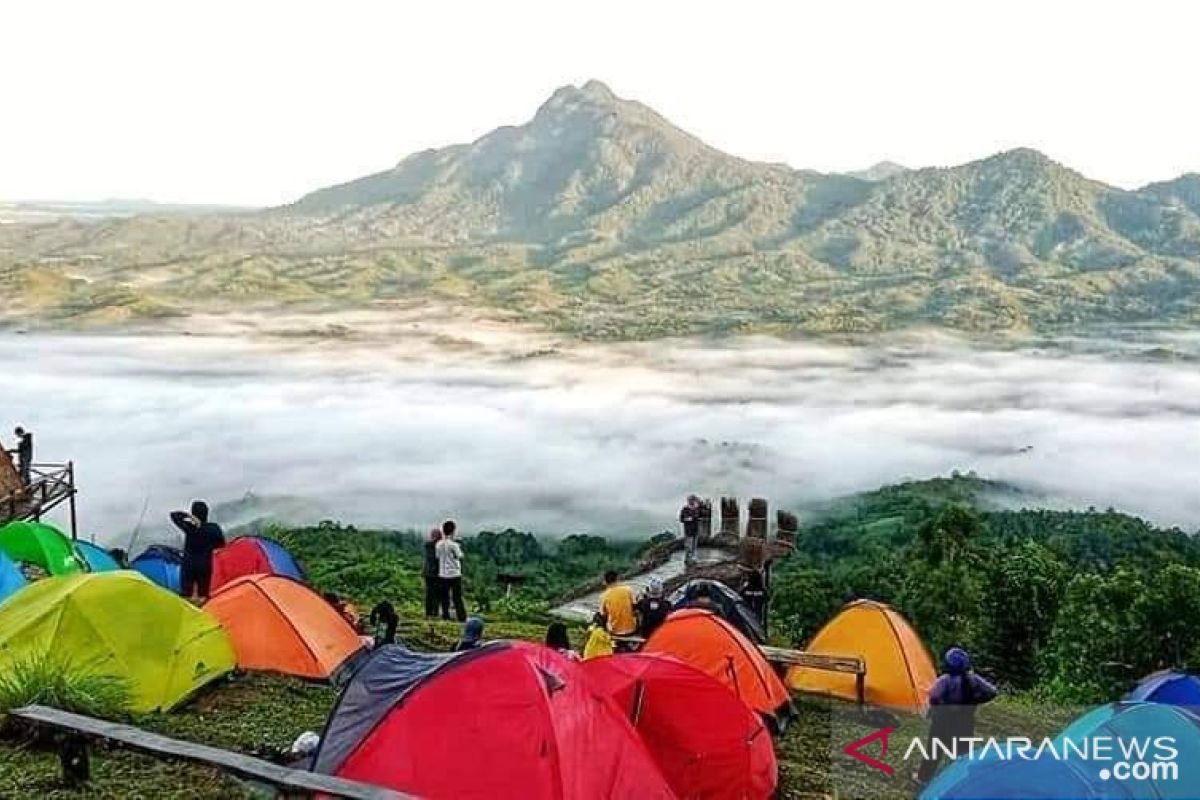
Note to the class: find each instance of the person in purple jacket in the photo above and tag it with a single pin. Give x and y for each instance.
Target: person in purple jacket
(952, 702)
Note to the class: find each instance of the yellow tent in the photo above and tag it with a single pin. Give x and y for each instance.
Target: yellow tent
(119, 624)
(900, 670)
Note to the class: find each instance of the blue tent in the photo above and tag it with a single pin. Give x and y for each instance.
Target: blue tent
(162, 565)
(1145, 722)
(1072, 777)
(281, 560)
(96, 557)
(11, 579)
(993, 778)
(1168, 686)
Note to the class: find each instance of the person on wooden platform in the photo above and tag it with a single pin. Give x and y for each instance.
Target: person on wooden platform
(689, 518)
(24, 454)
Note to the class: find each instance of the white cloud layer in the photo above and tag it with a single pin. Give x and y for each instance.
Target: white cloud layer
(598, 439)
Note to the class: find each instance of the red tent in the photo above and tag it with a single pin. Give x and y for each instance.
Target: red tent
(707, 742)
(509, 719)
(253, 555)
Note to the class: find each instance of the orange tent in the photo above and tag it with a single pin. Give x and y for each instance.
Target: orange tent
(278, 624)
(900, 670)
(709, 643)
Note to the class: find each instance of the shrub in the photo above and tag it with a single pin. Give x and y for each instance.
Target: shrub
(49, 681)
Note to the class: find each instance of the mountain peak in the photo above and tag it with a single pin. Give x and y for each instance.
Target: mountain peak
(594, 93)
(1024, 157)
(597, 90)
(879, 172)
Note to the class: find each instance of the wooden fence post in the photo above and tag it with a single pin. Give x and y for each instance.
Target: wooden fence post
(731, 517)
(757, 524)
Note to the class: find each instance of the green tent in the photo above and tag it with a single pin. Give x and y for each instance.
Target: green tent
(120, 624)
(41, 544)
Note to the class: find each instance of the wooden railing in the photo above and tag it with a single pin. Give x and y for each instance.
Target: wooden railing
(50, 485)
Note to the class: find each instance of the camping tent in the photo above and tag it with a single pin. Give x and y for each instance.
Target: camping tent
(707, 742)
(509, 719)
(162, 565)
(1138, 724)
(713, 646)
(991, 777)
(120, 624)
(253, 555)
(1168, 686)
(1105, 735)
(724, 601)
(900, 671)
(278, 624)
(96, 557)
(40, 544)
(11, 579)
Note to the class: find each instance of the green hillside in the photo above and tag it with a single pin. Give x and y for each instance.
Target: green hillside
(1058, 607)
(600, 218)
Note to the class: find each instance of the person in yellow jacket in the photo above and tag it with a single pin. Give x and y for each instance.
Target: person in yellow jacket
(599, 641)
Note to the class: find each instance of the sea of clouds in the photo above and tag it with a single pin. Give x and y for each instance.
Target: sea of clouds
(603, 439)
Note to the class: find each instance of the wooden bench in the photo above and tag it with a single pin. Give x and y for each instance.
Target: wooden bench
(77, 729)
(852, 665)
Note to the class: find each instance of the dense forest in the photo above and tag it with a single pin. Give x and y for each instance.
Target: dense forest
(1071, 606)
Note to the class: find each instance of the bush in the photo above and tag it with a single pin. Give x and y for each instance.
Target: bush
(49, 681)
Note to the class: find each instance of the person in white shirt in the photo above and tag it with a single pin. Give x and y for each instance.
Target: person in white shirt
(449, 557)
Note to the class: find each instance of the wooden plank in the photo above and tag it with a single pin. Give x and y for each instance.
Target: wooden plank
(782, 655)
(241, 765)
(830, 663)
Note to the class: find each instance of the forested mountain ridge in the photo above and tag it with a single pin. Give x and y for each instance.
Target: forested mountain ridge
(600, 218)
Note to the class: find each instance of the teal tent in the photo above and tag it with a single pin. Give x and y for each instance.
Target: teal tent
(11, 579)
(1118, 733)
(96, 557)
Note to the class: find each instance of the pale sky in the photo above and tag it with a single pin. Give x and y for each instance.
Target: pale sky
(258, 102)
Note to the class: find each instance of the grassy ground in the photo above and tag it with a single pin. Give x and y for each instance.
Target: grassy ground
(261, 715)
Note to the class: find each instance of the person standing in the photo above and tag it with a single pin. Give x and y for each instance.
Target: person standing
(617, 606)
(689, 517)
(201, 538)
(433, 588)
(24, 453)
(955, 696)
(449, 556)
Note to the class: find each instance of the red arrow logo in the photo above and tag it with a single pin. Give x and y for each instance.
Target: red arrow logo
(852, 749)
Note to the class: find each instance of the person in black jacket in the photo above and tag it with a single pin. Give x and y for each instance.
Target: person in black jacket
(24, 453)
(653, 608)
(433, 586)
(200, 539)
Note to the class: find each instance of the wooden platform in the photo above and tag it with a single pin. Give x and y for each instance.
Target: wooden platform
(50, 486)
(294, 781)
